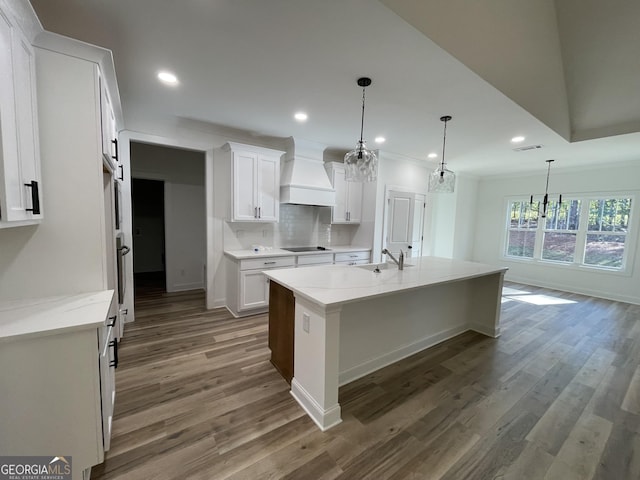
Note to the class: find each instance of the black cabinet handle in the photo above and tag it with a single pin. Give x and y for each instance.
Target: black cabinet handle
(35, 198)
(121, 172)
(114, 363)
(115, 144)
(409, 247)
(113, 321)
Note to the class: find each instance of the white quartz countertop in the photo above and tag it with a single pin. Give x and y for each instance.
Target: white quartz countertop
(332, 285)
(52, 315)
(278, 252)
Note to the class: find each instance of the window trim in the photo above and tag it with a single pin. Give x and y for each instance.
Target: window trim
(631, 236)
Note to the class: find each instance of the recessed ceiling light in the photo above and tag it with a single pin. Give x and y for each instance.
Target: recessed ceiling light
(301, 116)
(167, 78)
(432, 155)
(517, 139)
(379, 139)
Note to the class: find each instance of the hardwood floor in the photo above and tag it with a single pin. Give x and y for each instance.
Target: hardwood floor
(557, 396)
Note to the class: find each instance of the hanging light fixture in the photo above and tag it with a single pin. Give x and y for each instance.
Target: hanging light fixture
(361, 164)
(545, 200)
(442, 180)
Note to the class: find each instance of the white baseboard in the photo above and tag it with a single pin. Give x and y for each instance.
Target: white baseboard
(484, 330)
(567, 288)
(405, 351)
(183, 287)
(325, 419)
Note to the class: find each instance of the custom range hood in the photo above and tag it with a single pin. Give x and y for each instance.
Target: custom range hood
(303, 179)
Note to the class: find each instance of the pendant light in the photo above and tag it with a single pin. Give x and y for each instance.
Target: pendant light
(442, 180)
(361, 164)
(545, 200)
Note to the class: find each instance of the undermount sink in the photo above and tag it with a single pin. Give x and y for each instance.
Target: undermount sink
(380, 266)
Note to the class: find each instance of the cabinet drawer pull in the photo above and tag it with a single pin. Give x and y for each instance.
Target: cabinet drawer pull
(113, 321)
(35, 198)
(114, 363)
(115, 144)
(269, 263)
(259, 212)
(255, 212)
(121, 177)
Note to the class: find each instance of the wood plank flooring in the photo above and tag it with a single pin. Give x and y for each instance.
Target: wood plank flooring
(557, 396)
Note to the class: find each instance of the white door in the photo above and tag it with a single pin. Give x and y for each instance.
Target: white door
(268, 188)
(339, 211)
(405, 211)
(354, 202)
(254, 290)
(245, 206)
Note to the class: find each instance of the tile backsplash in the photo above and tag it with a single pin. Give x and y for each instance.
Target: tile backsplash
(300, 225)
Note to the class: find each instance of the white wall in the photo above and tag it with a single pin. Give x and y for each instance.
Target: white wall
(183, 172)
(491, 220)
(185, 235)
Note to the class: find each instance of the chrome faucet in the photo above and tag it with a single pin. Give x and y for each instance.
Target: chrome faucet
(399, 262)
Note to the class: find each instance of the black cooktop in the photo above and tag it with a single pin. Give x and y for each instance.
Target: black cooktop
(305, 249)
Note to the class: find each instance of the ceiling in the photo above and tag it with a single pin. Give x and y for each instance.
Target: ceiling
(252, 64)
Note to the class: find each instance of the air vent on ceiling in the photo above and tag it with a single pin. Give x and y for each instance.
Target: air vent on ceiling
(528, 147)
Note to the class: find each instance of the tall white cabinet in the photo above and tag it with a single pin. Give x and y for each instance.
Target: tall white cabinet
(348, 207)
(21, 201)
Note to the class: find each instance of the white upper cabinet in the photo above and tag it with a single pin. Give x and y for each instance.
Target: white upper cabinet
(20, 182)
(348, 208)
(255, 183)
(109, 130)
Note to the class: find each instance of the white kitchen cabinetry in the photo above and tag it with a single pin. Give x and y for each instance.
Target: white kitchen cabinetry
(20, 182)
(353, 258)
(348, 208)
(58, 377)
(315, 259)
(255, 182)
(247, 286)
(109, 130)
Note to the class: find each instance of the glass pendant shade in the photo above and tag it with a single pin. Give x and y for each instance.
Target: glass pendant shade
(442, 180)
(361, 164)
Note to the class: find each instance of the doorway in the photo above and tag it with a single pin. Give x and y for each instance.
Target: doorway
(149, 261)
(404, 219)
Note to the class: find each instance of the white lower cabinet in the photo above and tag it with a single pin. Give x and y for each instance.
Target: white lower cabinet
(248, 287)
(58, 386)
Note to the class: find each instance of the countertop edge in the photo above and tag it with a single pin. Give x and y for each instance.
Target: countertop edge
(274, 274)
(41, 317)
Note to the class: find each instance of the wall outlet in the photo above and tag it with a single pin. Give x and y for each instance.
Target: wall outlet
(265, 233)
(305, 322)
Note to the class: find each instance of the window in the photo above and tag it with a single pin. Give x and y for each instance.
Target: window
(584, 231)
(523, 224)
(560, 231)
(607, 232)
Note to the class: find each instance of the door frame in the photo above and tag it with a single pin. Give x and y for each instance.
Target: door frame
(213, 230)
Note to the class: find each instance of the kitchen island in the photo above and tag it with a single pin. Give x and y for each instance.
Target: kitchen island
(352, 320)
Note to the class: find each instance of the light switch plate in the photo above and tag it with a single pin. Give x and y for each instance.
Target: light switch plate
(305, 322)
